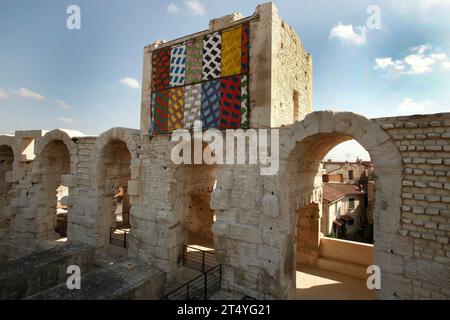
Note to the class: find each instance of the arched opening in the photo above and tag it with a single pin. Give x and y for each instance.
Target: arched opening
(199, 216)
(329, 203)
(196, 183)
(348, 193)
(195, 245)
(113, 176)
(6, 165)
(53, 162)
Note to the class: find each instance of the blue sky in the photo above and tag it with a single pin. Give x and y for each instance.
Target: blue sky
(52, 77)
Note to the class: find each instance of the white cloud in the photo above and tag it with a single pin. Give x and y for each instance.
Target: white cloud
(27, 93)
(409, 106)
(347, 33)
(62, 104)
(130, 82)
(383, 63)
(195, 7)
(406, 6)
(173, 8)
(66, 120)
(430, 3)
(420, 61)
(3, 94)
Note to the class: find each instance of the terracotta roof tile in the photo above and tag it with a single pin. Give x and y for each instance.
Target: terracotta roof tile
(335, 191)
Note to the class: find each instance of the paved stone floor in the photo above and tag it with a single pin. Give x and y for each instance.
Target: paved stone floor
(317, 284)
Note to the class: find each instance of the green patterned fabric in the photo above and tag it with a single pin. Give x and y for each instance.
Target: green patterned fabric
(194, 59)
(244, 102)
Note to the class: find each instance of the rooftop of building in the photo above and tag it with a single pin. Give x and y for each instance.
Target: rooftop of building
(343, 163)
(335, 191)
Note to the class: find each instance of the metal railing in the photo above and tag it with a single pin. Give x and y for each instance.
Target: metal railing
(118, 237)
(202, 287)
(198, 259)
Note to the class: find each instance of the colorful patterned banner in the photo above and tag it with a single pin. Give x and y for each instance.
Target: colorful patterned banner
(203, 79)
(231, 52)
(212, 49)
(176, 109)
(245, 48)
(152, 114)
(244, 103)
(161, 69)
(210, 104)
(230, 103)
(161, 111)
(177, 66)
(192, 104)
(194, 54)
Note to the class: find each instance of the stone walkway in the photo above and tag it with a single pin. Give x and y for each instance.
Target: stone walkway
(317, 284)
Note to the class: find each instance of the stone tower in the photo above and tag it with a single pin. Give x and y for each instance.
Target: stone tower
(275, 69)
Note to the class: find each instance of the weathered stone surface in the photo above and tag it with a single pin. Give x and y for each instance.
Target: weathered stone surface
(257, 223)
(26, 276)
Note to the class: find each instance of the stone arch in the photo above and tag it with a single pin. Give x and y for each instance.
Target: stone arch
(113, 155)
(56, 156)
(12, 143)
(9, 151)
(302, 148)
(57, 135)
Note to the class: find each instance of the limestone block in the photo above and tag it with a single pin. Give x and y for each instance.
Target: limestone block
(11, 211)
(28, 213)
(433, 273)
(394, 287)
(287, 141)
(133, 188)
(389, 262)
(271, 205)
(299, 131)
(12, 176)
(225, 180)
(13, 193)
(387, 126)
(270, 268)
(273, 238)
(68, 201)
(269, 253)
(167, 217)
(326, 121)
(69, 180)
(220, 199)
(220, 228)
(19, 202)
(391, 242)
(242, 261)
(245, 233)
(311, 124)
(135, 168)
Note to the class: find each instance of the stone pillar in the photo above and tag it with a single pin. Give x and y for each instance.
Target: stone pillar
(308, 238)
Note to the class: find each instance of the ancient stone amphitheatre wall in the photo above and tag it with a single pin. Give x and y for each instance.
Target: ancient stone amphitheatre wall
(255, 232)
